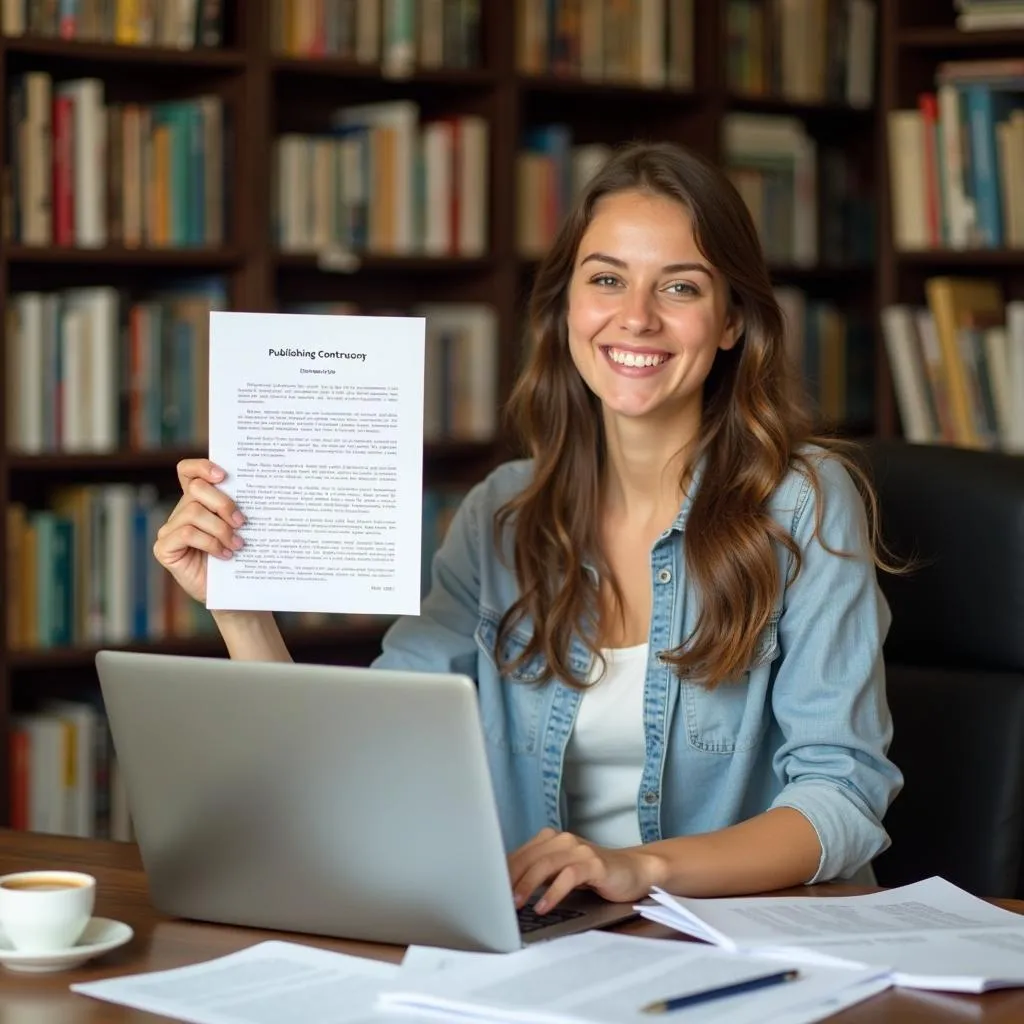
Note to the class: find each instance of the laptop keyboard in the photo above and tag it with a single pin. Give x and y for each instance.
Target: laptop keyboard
(530, 920)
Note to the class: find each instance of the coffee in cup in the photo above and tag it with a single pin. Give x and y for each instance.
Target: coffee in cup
(45, 911)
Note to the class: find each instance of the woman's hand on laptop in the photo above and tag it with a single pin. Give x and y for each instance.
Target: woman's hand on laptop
(202, 523)
(563, 862)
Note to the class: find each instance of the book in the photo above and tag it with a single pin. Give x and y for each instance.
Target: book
(928, 935)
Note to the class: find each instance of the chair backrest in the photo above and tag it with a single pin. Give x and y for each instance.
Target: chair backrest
(955, 664)
(961, 514)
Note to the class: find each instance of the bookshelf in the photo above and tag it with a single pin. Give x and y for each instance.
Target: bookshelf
(518, 94)
(957, 371)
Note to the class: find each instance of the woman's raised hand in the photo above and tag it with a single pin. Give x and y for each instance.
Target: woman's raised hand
(203, 523)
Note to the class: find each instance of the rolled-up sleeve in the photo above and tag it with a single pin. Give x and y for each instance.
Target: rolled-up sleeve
(829, 690)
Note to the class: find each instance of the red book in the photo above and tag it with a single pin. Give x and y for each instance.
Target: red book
(19, 779)
(63, 170)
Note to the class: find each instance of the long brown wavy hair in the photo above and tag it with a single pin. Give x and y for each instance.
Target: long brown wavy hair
(754, 423)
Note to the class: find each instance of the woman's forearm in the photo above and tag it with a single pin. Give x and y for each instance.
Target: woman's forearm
(773, 850)
(252, 636)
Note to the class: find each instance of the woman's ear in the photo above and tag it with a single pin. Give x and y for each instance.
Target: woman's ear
(734, 326)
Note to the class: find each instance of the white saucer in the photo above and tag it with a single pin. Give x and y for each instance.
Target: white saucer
(100, 936)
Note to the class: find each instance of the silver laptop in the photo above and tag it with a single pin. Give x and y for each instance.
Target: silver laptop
(349, 802)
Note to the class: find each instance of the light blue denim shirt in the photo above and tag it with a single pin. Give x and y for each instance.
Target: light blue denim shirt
(807, 725)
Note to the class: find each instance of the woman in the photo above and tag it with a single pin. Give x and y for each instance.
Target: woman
(670, 609)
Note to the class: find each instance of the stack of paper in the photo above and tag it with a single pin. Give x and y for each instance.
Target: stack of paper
(594, 977)
(606, 978)
(929, 935)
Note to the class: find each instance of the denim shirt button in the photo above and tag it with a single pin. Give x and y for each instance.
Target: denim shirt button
(664, 575)
(651, 796)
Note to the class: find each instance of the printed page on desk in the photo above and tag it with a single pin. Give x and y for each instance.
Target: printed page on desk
(930, 934)
(318, 423)
(604, 978)
(271, 981)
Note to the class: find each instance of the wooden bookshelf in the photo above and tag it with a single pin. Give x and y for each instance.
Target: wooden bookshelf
(265, 92)
(917, 37)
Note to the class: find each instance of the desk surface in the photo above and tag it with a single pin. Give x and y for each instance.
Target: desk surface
(161, 942)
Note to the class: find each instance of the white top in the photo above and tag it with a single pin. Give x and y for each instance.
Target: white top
(604, 759)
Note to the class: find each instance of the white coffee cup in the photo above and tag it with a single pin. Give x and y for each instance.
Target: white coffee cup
(45, 911)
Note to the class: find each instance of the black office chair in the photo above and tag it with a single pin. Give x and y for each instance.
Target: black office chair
(955, 664)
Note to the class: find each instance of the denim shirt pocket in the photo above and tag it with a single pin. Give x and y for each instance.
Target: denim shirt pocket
(725, 720)
(510, 709)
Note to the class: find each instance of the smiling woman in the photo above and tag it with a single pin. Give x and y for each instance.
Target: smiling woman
(646, 314)
(670, 608)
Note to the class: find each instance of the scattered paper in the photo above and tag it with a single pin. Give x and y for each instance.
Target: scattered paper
(930, 934)
(271, 981)
(606, 978)
(317, 421)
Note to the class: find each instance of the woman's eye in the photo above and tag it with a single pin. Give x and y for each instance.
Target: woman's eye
(683, 288)
(606, 280)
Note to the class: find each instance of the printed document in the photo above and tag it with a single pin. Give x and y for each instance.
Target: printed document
(607, 978)
(930, 935)
(595, 977)
(271, 981)
(317, 421)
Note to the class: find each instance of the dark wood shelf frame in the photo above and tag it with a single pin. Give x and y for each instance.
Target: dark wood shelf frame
(961, 257)
(369, 262)
(116, 255)
(302, 641)
(118, 54)
(333, 67)
(949, 38)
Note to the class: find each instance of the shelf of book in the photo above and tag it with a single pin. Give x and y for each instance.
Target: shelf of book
(951, 253)
(276, 81)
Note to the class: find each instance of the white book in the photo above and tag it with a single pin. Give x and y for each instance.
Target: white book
(26, 375)
(651, 32)
(437, 142)
(911, 383)
(368, 31)
(90, 170)
(99, 383)
(930, 934)
(907, 177)
(47, 803)
(119, 507)
(36, 160)
(472, 179)
(84, 721)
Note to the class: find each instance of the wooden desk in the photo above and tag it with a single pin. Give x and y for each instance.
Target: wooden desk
(161, 942)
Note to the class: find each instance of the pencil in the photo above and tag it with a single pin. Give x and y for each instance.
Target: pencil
(735, 989)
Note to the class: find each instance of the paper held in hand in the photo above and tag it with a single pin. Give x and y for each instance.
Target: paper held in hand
(317, 421)
(930, 935)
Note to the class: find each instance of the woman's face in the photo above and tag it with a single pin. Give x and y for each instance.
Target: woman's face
(646, 312)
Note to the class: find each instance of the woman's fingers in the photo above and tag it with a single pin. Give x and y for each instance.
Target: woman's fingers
(194, 525)
(215, 500)
(202, 469)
